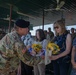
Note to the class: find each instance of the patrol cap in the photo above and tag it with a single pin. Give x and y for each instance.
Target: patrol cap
(22, 23)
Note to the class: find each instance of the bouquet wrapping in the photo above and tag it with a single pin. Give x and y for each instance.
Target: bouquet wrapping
(36, 50)
(51, 48)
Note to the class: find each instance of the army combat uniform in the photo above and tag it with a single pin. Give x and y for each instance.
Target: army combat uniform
(11, 52)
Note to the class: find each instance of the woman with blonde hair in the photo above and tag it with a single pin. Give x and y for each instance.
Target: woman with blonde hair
(61, 61)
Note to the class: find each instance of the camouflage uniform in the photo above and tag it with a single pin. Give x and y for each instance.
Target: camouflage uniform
(51, 34)
(11, 53)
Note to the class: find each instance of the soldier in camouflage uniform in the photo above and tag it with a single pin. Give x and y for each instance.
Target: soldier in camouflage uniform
(12, 50)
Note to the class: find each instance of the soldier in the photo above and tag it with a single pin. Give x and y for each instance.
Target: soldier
(50, 33)
(12, 50)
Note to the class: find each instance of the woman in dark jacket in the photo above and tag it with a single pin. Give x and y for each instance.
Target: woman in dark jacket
(61, 61)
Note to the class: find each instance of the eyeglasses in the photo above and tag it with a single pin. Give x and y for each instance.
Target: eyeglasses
(56, 27)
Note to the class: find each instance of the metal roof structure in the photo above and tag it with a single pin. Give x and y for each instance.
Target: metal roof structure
(38, 12)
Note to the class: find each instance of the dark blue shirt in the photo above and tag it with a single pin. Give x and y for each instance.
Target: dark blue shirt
(61, 42)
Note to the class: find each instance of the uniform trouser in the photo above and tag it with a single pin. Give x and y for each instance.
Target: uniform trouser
(39, 69)
(25, 69)
(60, 68)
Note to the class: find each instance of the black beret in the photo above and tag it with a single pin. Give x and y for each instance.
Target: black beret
(22, 23)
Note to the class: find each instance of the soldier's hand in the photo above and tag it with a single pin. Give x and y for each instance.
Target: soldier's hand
(33, 52)
(24, 51)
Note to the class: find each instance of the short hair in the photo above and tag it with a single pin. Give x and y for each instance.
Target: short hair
(49, 28)
(72, 28)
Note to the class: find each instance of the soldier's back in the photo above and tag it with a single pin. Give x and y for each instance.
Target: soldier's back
(9, 60)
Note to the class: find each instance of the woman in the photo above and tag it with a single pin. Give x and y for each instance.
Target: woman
(73, 58)
(61, 61)
(40, 39)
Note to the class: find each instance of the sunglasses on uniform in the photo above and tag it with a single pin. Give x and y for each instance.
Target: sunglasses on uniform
(56, 27)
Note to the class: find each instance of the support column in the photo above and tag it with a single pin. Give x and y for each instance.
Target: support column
(43, 20)
(10, 18)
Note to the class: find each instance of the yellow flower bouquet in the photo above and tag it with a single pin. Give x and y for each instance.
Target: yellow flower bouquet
(36, 47)
(36, 50)
(53, 47)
